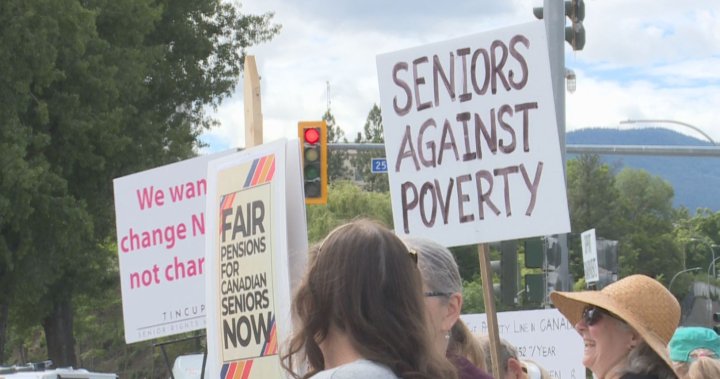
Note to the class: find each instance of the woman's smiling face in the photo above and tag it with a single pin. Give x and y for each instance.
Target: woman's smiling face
(607, 342)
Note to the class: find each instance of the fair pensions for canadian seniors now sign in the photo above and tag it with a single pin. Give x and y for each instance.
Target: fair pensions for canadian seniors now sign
(471, 138)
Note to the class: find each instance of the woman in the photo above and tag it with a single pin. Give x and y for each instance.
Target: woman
(359, 311)
(625, 327)
(442, 287)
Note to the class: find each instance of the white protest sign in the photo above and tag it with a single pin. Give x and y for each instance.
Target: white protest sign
(256, 232)
(160, 222)
(590, 261)
(471, 138)
(544, 336)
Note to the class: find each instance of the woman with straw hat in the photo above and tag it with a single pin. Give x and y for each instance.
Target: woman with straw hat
(625, 327)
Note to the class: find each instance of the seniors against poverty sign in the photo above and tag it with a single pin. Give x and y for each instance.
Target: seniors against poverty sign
(471, 138)
(160, 222)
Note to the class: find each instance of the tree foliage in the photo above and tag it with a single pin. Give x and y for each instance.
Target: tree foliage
(91, 91)
(372, 133)
(337, 169)
(346, 201)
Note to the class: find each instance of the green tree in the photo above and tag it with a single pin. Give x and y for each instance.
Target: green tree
(372, 133)
(346, 201)
(91, 91)
(593, 202)
(337, 170)
(648, 245)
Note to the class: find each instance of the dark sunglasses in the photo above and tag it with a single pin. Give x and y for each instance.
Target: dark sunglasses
(592, 314)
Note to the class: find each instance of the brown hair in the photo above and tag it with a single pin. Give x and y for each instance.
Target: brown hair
(362, 280)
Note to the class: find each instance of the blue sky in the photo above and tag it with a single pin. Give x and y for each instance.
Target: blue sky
(643, 59)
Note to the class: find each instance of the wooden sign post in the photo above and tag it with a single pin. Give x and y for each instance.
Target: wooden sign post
(253, 111)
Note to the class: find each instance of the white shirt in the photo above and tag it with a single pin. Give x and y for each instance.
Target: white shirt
(360, 369)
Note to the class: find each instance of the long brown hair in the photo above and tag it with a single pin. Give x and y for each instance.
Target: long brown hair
(363, 280)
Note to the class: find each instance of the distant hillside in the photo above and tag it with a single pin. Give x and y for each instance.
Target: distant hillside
(696, 180)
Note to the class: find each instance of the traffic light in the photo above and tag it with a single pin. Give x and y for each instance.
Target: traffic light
(552, 252)
(575, 33)
(313, 135)
(716, 319)
(534, 254)
(535, 288)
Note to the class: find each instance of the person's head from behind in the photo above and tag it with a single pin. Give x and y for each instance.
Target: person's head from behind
(510, 365)
(362, 283)
(704, 368)
(690, 343)
(625, 327)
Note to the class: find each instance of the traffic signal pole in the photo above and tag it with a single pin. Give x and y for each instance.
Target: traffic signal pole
(554, 17)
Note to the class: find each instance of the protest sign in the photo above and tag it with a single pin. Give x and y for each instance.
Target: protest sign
(253, 198)
(544, 336)
(590, 257)
(471, 138)
(160, 222)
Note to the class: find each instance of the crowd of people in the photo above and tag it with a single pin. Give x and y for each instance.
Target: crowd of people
(373, 305)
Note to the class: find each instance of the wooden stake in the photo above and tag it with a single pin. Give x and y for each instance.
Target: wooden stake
(253, 112)
(489, 300)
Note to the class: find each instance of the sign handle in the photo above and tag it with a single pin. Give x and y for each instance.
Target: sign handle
(253, 112)
(489, 300)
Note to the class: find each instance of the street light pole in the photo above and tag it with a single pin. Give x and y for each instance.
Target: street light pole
(676, 275)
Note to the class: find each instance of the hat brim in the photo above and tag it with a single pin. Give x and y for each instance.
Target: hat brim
(571, 305)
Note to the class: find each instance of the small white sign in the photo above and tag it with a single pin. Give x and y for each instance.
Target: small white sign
(590, 261)
(471, 138)
(544, 336)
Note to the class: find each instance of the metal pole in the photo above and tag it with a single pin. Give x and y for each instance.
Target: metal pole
(676, 275)
(554, 16)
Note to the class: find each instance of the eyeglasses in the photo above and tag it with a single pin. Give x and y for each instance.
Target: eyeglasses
(413, 254)
(437, 294)
(591, 315)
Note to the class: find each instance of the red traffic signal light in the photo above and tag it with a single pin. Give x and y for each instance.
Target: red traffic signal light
(313, 135)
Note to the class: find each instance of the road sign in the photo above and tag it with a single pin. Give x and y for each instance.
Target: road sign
(378, 166)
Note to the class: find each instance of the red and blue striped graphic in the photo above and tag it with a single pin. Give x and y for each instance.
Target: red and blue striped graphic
(236, 370)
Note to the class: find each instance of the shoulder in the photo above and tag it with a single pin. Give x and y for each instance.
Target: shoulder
(359, 369)
(467, 370)
(638, 376)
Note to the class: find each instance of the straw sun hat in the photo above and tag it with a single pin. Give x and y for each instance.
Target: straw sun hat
(640, 301)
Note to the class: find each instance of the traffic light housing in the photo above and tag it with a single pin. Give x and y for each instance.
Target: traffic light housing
(534, 253)
(535, 288)
(575, 33)
(313, 136)
(552, 252)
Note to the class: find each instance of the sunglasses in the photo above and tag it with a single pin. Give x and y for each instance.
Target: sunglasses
(437, 294)
(592, 314)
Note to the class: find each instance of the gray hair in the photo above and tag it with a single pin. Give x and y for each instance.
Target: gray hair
(437, 265)
(644, 360)
(507, 351)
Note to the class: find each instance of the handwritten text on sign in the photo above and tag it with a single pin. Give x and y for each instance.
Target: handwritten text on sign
(471, 138)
